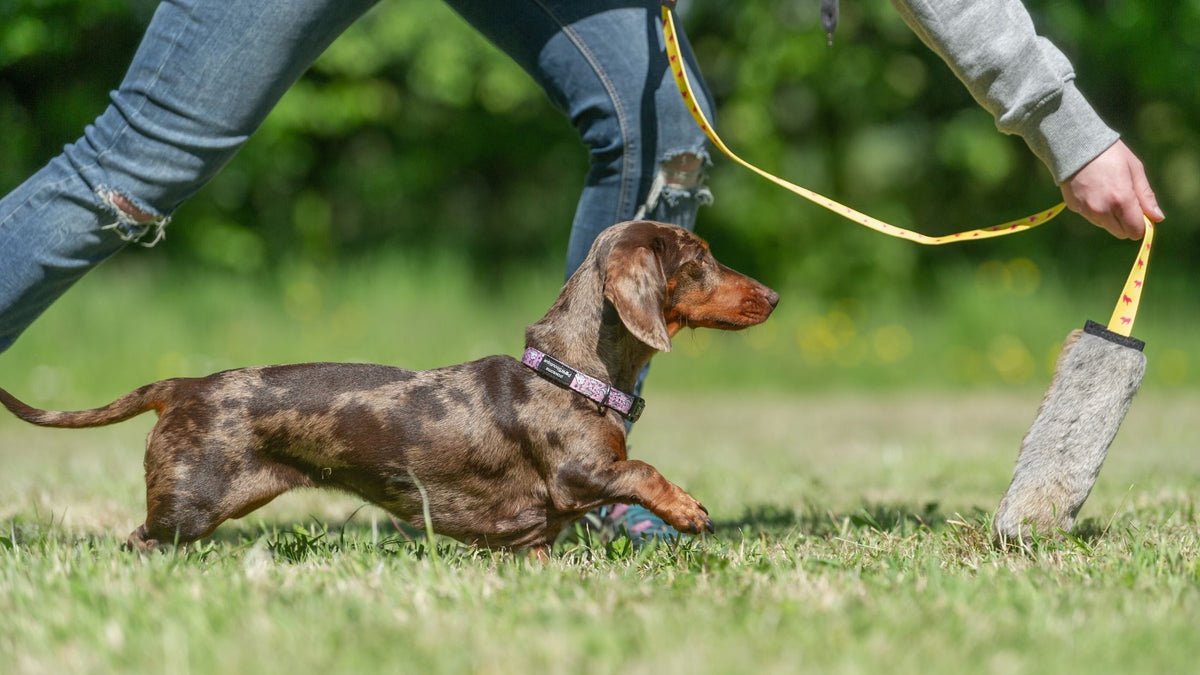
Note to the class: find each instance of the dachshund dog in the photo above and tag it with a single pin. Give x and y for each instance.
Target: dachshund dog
(500, 452)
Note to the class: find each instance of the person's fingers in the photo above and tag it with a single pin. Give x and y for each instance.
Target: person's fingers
(1112, 192)
(1129, 219)
(1145, 194)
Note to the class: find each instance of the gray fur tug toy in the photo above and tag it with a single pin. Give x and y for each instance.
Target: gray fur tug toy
(1097, 374)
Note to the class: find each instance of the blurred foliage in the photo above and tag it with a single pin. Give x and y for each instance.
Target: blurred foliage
(413, 132)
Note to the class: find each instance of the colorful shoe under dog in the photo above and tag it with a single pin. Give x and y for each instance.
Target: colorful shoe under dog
(636, 522)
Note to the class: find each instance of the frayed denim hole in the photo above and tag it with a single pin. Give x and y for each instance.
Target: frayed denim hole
(132, 224)
(678, 190)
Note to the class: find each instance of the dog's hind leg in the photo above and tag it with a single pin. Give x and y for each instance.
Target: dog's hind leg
(185, 510)
(195, 484)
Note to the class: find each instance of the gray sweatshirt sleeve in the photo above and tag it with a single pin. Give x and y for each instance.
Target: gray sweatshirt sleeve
(1022, 79)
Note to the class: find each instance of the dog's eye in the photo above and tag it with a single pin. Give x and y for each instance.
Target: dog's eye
(696, 266)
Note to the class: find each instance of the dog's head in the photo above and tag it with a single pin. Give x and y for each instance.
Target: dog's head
(661, 278)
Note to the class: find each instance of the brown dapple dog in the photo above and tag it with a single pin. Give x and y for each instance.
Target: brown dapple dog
(506, 452)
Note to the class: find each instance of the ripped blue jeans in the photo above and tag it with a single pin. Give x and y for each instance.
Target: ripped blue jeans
(209, 71)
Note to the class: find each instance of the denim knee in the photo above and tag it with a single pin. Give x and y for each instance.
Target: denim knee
(678, 189)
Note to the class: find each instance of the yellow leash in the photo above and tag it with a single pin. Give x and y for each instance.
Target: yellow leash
(1121, 322)
(1123, 316)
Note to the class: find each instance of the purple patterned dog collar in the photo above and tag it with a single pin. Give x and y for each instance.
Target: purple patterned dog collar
(630, 407)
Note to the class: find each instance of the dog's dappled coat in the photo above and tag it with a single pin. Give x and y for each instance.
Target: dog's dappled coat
(504, 457)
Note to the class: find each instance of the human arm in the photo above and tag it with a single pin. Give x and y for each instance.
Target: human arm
(1028, 85)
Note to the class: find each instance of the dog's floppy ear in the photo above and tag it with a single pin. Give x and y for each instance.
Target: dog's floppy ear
(636, 286)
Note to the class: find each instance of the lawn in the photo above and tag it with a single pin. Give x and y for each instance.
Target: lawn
(852, 520)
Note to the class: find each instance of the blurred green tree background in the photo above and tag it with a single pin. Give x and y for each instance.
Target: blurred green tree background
(413, 132)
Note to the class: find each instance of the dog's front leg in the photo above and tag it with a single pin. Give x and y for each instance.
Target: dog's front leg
(636, 482)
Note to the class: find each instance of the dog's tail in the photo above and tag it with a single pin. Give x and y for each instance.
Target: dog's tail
(136, 402)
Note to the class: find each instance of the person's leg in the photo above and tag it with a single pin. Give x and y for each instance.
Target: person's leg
(204, 78)
(603, 63)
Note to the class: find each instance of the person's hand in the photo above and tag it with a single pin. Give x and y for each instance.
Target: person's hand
(1112, 192)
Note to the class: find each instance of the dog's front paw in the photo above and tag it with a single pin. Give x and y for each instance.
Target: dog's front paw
(686, 514)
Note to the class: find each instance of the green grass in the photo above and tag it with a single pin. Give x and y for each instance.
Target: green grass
(852, 521)
(851, 537)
